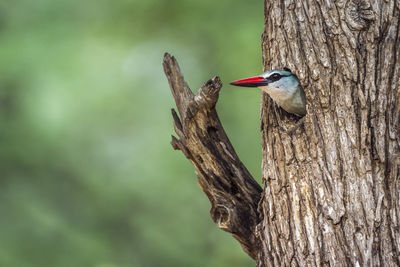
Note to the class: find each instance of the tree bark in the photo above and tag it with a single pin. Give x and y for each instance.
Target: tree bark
(332, 187)
(332, 179)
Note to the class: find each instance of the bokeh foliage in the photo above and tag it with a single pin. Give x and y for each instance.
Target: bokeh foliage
(88, 177)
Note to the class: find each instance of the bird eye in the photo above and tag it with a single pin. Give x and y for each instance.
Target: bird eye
(275, 77)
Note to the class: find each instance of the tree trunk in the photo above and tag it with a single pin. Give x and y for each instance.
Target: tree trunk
(332, 187)
(332, 179)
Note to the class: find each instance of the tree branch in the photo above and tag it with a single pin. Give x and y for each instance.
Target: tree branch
(232, 191)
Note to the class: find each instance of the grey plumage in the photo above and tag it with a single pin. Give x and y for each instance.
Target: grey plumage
(282, 86)
(286, 91)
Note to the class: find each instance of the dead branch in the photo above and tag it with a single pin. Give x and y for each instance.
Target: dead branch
(232, 191)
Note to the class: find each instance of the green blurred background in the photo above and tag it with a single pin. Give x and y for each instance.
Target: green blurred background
(88, 176)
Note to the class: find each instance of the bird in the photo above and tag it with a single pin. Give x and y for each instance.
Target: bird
(282, 86)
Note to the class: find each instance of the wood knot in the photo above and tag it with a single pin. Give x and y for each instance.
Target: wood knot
(359, 14)
(221, 216)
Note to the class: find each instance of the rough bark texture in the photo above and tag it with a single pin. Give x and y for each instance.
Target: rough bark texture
(332, 179)
(232, 191)
(332, 187)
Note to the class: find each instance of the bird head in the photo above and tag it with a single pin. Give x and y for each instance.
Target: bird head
(273, 81)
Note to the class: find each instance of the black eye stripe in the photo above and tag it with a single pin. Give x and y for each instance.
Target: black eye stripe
(276, 77)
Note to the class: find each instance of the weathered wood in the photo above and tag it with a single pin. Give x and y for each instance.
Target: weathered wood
(232, 191)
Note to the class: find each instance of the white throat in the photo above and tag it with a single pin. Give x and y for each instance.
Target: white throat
(290, 98)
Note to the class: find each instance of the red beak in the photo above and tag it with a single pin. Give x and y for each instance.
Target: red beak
(251, 82)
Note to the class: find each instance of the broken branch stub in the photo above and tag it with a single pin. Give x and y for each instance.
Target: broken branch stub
(232, 191)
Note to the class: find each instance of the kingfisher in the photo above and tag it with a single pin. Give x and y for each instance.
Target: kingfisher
(282, 86)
